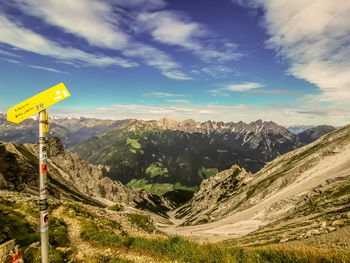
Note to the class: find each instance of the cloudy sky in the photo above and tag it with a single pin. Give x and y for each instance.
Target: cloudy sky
(231, 60)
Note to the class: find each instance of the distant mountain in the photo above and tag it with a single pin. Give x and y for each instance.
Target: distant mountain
(166, 155)
(171, 155)
(71, 130)
(160, 160)
(260, 140)
(314, 133)
(298, 129)
(301, 194)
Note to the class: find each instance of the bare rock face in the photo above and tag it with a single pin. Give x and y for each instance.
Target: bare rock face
(18, 167)
(7, 250)
(55, 146)
(213, 193)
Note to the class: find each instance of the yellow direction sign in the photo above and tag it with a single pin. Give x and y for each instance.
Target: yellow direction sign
(35, 104)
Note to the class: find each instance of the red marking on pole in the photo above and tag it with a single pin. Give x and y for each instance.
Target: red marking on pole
(43, 168)
(16, 257)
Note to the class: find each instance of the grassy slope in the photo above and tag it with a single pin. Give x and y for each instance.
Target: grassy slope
(101, 232)
(184, 250)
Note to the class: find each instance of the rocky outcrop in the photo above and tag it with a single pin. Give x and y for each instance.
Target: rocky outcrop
(7, 249)
(69, 176)
(209, 201)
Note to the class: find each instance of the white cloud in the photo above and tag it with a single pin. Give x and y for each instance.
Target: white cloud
(115, 24)
(247, 3)
(164, 95)
(281, 113)
(168, 27)
(176, 74)
(157, 59)
(244, 86)
(26, 39)
(150, 112)
(105, 25)
(173, 28)
(179, 101)
(314, 37)
(241, 87)
(221, 55)
(170, 97)
(142, 4)
(10, 54)
(47, 69)
(11, 60)
(228, 107)
(90, 19)
(272, 91)
(218, 71)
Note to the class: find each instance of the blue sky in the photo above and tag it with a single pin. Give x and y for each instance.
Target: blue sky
(230, 60)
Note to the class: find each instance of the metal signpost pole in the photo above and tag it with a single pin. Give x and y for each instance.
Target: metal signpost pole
(21, 112)
(44, 223)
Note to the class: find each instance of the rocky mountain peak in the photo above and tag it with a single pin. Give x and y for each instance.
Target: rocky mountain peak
(257, 122)
(171, 124)
(259, 125)
(208, 127)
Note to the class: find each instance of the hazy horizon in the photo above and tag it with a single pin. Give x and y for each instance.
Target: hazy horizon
(35, 117)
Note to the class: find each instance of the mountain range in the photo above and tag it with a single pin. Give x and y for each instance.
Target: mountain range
(171, 155)
(299, 128)
(70, 130)
(167, 155)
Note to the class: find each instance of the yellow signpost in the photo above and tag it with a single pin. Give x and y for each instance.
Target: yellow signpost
(35, 104)
(22, 111)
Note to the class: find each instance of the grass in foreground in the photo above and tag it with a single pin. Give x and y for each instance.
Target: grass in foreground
(183, 250)
(116, 207)
(14, 225)
(106, 259)
(141, 221)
